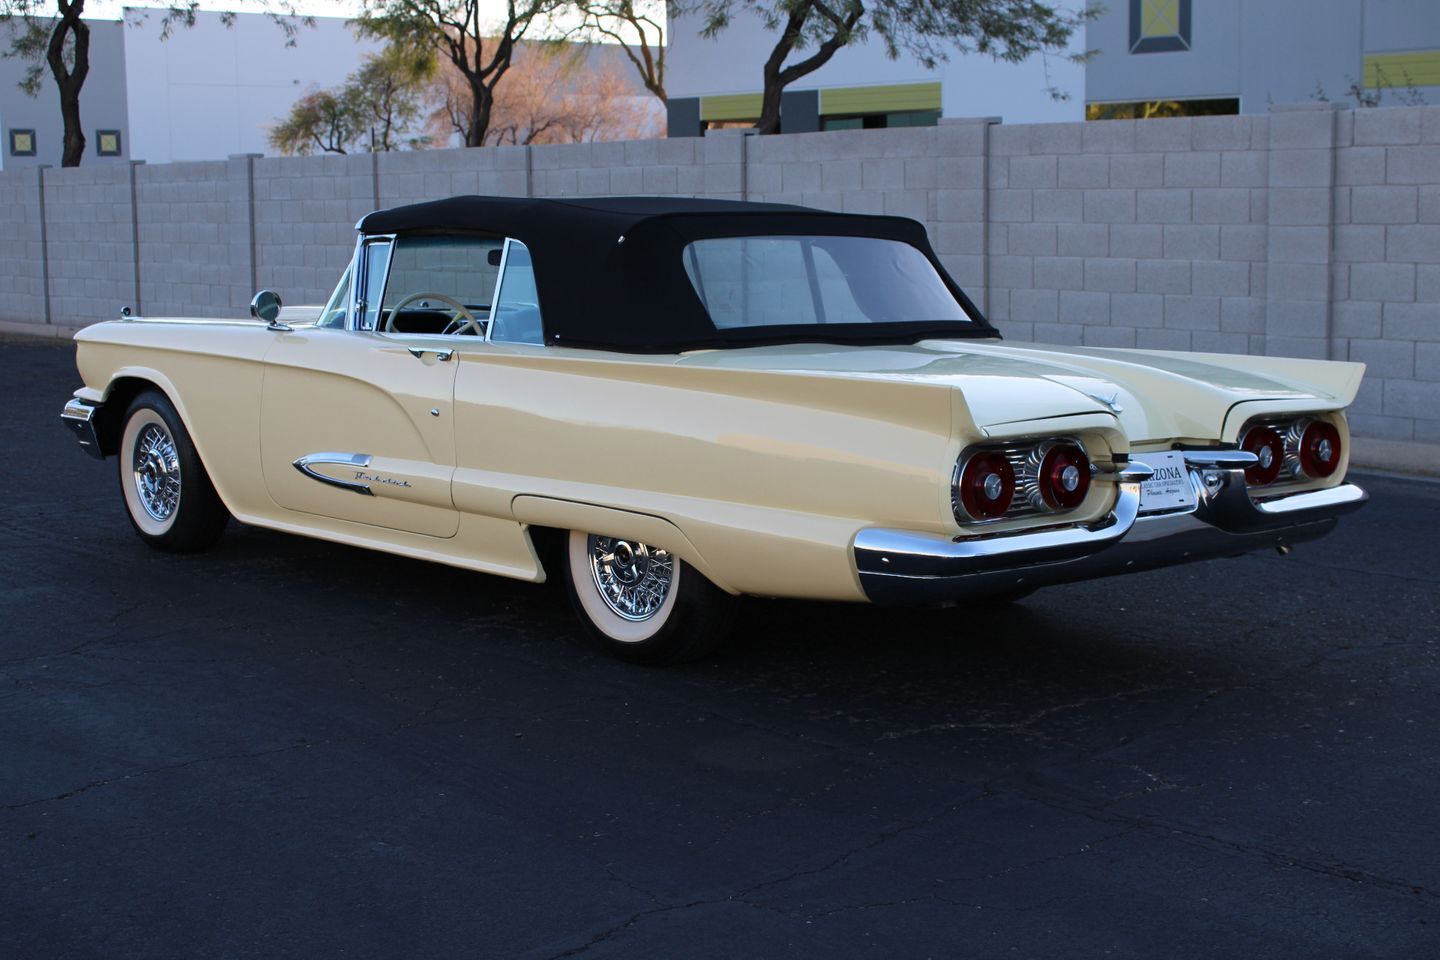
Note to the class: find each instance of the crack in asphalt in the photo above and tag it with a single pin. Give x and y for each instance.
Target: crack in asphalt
(1055, 733)
(1083, 807)
(972, 878)
(1130, 825)
(743, 895)
(1023, 724)
(420, 719)
(1344, 568)
(163, 768)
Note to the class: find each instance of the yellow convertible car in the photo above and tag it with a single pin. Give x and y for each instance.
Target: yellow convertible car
(668, 403)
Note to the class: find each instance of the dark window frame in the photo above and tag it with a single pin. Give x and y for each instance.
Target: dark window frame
(1189, 107)
(15, 134)
(100, 150)
(1180, 41)
(878, 121)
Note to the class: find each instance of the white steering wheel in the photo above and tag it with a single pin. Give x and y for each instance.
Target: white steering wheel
(464, 319)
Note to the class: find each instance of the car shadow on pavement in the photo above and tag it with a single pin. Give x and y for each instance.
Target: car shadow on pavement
(1049, 667)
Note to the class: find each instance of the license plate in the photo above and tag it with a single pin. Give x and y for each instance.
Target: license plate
(1169, 487)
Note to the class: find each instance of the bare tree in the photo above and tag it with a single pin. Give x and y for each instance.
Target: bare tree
(1010, 30)
(480, 52)
(638, 28)
(57, 39)
(374, 109)
(393, 92)
(1366, 94)
(323, 119)
(553, 94)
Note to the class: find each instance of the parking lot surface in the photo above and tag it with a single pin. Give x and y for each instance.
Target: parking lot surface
(286, 748)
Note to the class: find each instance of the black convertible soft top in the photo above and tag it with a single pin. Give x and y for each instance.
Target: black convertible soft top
(610, 274)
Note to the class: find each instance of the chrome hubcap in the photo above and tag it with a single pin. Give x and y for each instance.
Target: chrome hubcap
(156, 467)
(633, 578)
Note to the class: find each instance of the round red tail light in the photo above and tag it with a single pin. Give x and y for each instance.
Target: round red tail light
(1064, 476)
(1319, 449)
(1269, 450)
(986, 486)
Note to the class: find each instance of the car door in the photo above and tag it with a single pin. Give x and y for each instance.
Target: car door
(356, 418)
(498, 395)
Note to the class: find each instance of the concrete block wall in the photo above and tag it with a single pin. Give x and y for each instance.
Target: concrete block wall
(1385, 270)
(679, 167)
(411, 177)
(22, 267)
(89, 215)
(1146, 234)
(304, 211)
(1305, 232)
(194, 243)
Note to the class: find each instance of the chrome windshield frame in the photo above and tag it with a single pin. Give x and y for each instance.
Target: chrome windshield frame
(358, 288)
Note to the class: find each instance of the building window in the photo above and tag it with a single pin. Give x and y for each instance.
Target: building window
(729, 111)
(728, 124)
(22, 143)
(831, 108)
(1418, 68)
(1159, 26)
(1157, 109)
(107, 143)
(880, 121)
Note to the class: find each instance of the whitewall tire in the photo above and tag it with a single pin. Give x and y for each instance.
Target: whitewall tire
(643, 603)
(168, 495)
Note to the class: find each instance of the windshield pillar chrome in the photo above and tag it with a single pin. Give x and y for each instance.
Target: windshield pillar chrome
(495, 294)
(361, 296)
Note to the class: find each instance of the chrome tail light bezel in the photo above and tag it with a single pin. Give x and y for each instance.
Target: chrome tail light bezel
(1260, 439)
(1298, 463)
(962, 493)
(1026, 459)
(1310, 464)
(1066, 498)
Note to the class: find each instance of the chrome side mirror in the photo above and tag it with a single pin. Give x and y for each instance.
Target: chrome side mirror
(266, 307)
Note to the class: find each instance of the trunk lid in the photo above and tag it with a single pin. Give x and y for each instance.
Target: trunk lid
(1155, 394)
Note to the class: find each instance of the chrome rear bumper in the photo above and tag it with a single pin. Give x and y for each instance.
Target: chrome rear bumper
(79, 417)
(905, 567)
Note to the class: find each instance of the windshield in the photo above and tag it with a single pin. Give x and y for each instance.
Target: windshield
(787, 280)
(334, 313)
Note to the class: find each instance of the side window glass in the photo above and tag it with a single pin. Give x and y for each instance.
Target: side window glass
(334, 313)
(441, 284)
(372, 286)
(517, 308)
(752, 281)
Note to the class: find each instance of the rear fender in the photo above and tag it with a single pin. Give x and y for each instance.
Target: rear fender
(609, 522)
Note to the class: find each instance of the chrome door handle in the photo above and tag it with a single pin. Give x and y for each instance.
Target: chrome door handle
(441, 355)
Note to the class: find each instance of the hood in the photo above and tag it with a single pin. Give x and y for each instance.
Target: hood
(1155, 394)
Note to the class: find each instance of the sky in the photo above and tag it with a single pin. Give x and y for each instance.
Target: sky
(114, 9)
(111, 9)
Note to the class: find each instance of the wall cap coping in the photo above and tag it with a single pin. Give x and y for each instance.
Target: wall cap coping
(1316, 107)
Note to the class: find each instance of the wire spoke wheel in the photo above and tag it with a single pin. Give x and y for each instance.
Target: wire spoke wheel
(155, 467)
(642, 602)
(633, 578)
(168, 495)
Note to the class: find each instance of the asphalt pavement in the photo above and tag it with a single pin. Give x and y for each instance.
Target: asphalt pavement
(286, 748)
